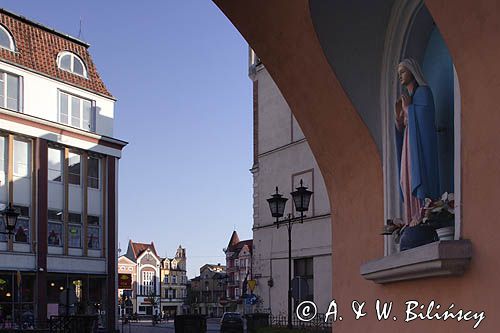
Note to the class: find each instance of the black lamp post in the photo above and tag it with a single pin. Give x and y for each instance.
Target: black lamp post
(10, 216)
(301, 198)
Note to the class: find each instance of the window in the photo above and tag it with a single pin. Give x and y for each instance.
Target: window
(93, 232)
(174, 279)
(21, 158)
(75, 230)
(237, 292)
(3, 158)
(236, 262)
(22, 232)
(3, 183)
(6, 40)
(165, 280)
(9, 91)
(303, 270)
(93, 172)
(55, 227)
(76, 111)
(74, 218)
(72, 63)
(55, 165)
(74, 169)
(148, 286)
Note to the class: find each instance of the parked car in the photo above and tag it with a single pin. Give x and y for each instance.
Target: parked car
(231, 322)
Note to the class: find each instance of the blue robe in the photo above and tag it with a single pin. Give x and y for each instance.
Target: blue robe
(423, 143)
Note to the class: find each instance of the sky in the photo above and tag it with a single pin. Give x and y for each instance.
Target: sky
(179, 71)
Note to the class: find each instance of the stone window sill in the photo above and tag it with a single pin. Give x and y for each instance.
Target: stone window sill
(443, 258)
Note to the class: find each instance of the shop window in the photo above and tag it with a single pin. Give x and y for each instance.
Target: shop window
(16, 299)
(75, 236)
(55, 227)
(22, 232)
(75, 230)
(93, 232)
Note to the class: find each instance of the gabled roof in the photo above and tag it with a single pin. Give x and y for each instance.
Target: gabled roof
(235, 245)
(37, 48)
(125, 261)
(233, 240)
(134, 250)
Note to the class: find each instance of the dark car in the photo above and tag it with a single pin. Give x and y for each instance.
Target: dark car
(231, 322)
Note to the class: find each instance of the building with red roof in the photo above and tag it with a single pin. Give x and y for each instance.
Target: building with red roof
(58, 169)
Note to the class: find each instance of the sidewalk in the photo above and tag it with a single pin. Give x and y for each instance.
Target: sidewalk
(213, 325)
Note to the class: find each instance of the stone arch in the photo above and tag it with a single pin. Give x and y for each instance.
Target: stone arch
(470, 30)
(341, 142)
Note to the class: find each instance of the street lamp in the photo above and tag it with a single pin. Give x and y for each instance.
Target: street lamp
(10, 216)
(301, 198)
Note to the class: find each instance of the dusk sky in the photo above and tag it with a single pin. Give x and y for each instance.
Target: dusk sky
(179, 71)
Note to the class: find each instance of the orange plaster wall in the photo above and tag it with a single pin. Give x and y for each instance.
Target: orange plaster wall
(282, 34)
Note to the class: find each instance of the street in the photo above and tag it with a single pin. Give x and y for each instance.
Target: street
(213, 325)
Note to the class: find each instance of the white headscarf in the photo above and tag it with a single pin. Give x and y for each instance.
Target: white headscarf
(415, 69)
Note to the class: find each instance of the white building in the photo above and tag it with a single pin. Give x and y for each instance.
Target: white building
(58, 168)
(282, 158)
(145, 281)
(149, 284)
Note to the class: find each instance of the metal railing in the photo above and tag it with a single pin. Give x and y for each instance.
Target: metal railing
(318, 324)
(73, 324)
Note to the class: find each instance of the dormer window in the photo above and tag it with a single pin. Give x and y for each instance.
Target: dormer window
(6, 40)
(72, 63)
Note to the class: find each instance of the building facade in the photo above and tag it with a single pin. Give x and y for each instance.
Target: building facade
(127, 286)
(145, 277)
(149, 284)
(58, 168)
(174, 282)
(283, 158)
(239, 271)
(207, 290)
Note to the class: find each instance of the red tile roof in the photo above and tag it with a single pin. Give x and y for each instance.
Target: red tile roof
(37, 48)
(138, 248)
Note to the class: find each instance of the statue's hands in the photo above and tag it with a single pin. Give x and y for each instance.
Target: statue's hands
(398, 114)
(406, 101)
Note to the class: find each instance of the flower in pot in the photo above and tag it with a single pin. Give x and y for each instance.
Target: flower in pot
(440, 214)
(436, 215)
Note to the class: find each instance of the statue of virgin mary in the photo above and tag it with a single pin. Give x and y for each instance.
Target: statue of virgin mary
(416, 141)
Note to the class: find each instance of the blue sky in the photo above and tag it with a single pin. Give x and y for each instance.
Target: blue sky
(179, 72)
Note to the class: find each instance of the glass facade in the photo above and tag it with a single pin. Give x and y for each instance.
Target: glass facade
(17, 300)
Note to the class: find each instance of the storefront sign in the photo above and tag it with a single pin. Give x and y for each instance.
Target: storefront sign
(124, 281)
